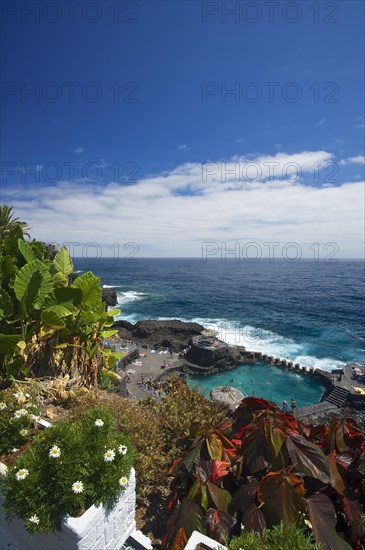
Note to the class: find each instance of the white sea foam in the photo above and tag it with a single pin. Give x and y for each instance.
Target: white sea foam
(130, 296)
(252, 338)
(264, 341)
(325, 363)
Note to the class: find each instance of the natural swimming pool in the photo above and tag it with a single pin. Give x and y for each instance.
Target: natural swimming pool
(263, 380)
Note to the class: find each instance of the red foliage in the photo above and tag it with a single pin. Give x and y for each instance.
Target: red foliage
(264, 466)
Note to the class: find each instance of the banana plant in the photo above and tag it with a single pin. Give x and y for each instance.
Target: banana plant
(48, 322)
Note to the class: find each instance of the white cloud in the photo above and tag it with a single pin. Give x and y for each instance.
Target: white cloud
(360, 159)
(173, 213)
(321, 122)
(184, 147)
(78, 150)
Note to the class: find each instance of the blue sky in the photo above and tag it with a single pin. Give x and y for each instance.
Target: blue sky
(159, 123)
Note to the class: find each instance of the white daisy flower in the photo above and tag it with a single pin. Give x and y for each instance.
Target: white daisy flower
(23, 432)
(123, 449)
(2, 406)
(78, 487)
(14, 450)
(99, 423)
(23, 412)
(109, 455)
(123, 482)
(36, 418)
(55, 452)
(28, 395)
(18, 395)
(18, 414)
(34, 519)
(21, 474)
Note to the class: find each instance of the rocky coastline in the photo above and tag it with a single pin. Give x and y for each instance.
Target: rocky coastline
(175, 335)
(207, 355)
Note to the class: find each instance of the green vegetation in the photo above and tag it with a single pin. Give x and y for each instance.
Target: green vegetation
(244, 481)
(281, 537)
(51, 322)
(8, 222)
(263, 467)
(18, 412)
(155, 427)
(68, 468)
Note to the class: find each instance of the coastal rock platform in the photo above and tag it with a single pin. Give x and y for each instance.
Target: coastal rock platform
(175, 335)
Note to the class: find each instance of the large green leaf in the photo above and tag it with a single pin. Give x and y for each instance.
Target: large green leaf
(322, 515)
(51, 320)
(215, 447)
(63, 262)
(6, 306)
(7, 267)
(112, 312)
(60, 279)
(26, 251)
(8, 342)
(308, 457)
(32, 284)
(90, 287)
(193, 453)
(63, 301)
(108, 333)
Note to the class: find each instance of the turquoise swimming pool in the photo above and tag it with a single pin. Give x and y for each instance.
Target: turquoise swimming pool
(263, 380)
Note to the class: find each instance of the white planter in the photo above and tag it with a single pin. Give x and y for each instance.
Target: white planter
(198, 538)
(97, 529)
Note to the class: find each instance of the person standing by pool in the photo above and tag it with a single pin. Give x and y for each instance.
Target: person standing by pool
(285, 407)
(293, 405)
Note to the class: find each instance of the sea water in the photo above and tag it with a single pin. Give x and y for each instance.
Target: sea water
(263, 380)
(311, 312)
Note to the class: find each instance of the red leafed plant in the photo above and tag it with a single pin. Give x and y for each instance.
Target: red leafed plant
(262, 467)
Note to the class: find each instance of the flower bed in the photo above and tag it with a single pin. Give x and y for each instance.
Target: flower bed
(97, 528)
(18, 420)
(77, 478)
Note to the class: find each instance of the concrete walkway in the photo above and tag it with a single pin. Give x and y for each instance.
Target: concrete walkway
(150, 368)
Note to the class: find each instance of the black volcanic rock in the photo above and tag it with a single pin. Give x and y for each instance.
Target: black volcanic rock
(174, 334)
(109, 296)
(222, 357)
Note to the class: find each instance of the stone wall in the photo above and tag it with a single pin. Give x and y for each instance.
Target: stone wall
(96, 529)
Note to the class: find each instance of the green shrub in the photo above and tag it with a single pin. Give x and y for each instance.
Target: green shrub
(18, 414)
(184, 407)
(68, 468)
(280, 537)
(154, 427)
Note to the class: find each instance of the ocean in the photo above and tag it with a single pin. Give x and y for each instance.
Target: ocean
(309, 312)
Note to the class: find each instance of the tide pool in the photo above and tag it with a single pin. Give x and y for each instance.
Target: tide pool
(263, 380)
